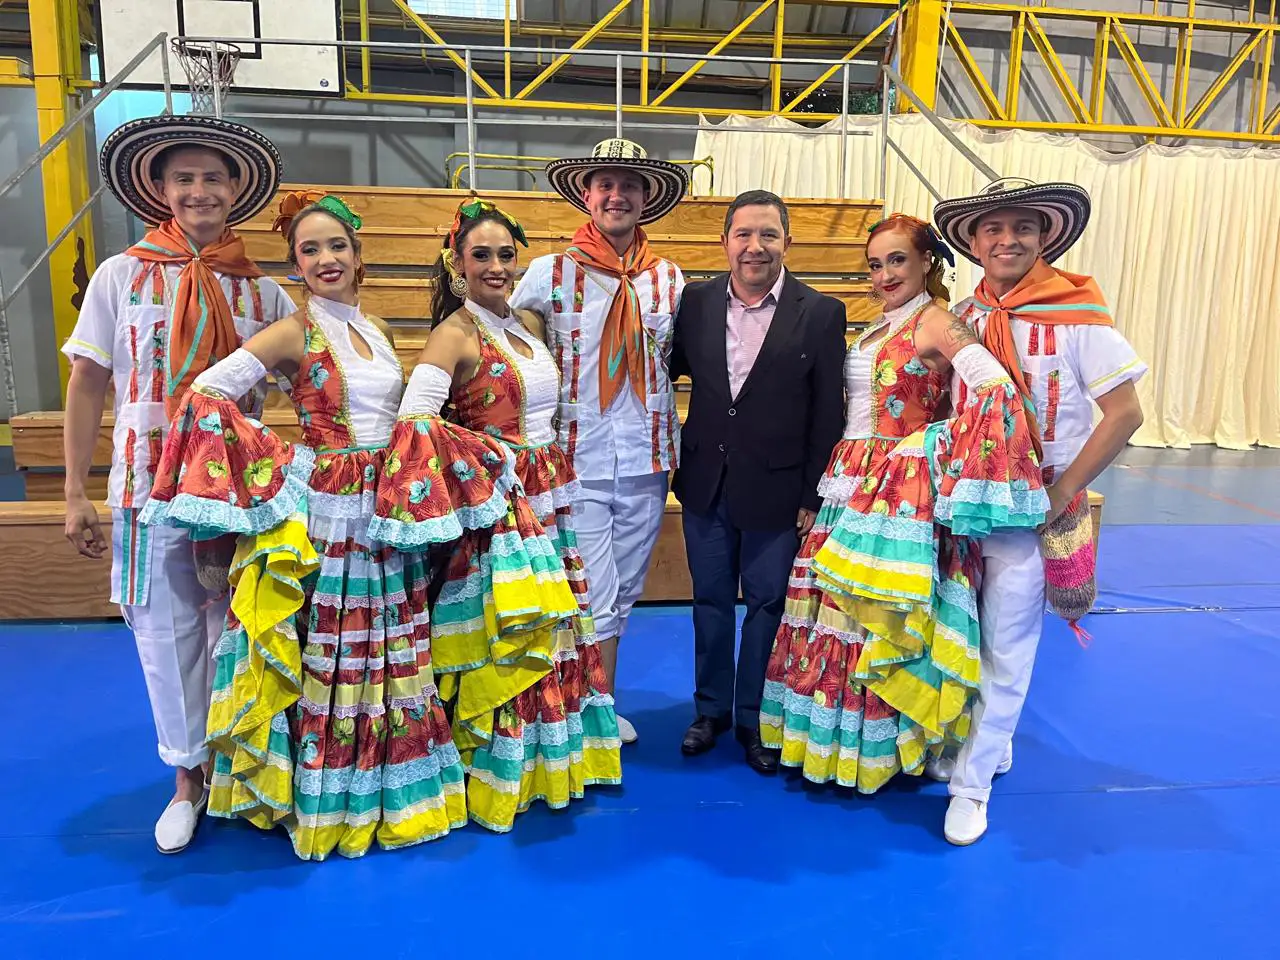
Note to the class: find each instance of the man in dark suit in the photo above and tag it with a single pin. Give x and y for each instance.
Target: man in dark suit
(765, 354)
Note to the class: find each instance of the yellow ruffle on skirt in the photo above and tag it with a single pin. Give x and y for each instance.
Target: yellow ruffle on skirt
(259, 674)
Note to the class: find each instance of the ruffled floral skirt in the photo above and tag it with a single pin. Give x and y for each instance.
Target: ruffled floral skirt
(528, 698)
(877, 661)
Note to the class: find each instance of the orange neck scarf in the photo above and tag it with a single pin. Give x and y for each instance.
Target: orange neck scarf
(1044, 295)
(623, 337)
(201, 328)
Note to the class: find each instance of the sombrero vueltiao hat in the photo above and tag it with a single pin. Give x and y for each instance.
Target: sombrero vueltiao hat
(130, 151)
(1065, 207)
(666, 182)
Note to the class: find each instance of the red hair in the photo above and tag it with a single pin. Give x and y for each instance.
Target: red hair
(926, 242)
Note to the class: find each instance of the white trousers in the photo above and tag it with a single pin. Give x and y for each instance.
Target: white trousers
(617, 523)
(175, 632)
(1011, 612)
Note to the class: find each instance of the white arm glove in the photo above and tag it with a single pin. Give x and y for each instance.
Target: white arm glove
(977, 366)
(427, 391)
(234, 376)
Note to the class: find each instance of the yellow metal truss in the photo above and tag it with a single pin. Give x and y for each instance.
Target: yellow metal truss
(927, 28)
(651, 100)
(1172, 116)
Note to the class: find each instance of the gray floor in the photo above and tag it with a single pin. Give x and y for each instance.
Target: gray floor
(1203, 485)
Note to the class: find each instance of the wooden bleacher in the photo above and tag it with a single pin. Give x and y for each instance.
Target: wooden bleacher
(403, 231)
(403, 228)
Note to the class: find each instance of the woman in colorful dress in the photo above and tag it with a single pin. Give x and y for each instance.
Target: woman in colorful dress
(325, 715)
(546, 732)
(841, 701)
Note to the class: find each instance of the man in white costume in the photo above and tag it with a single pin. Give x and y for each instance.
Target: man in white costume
(154, 318)
(1053, 331)
(609, 306)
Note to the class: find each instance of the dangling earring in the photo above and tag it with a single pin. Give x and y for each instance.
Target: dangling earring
(457, 281)
(874, 296)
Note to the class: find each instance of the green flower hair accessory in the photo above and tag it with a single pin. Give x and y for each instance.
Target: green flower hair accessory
(292, 204)
(475, 207)
(338, 207)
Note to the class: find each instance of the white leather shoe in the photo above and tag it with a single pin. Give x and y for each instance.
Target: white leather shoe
(177, 825)
(966, 821)
(626, 732)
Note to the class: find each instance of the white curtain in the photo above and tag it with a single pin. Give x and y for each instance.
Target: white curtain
(1184, 241)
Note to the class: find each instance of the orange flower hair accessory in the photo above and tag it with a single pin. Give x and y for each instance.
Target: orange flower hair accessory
(292, 204)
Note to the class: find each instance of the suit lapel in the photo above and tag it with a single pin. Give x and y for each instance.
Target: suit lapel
(788, 318)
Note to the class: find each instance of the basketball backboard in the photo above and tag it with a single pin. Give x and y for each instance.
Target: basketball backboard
(125, 27)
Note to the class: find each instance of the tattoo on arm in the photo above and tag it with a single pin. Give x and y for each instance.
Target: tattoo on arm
(957, 335)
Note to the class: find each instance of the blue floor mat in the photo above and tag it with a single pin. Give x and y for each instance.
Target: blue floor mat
(1119, 832)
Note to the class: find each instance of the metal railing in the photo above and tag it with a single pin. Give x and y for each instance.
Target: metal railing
(619, 57)
(161, 41)
(7, 296)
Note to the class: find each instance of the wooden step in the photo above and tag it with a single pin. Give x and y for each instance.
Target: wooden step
(408, 300)
(71, 587)
(43, 577)
(404, 226)
(391, 247)
(37, 437)
(431, 211)
(50, 484)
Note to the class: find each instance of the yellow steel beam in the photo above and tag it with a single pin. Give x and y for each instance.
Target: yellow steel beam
(1138, 69)
(1182, 71)
(1269, 125)
(532, 28)
(366, 66)
(506, 42)
(1129, 18)
(55, 54)
(974, 72)
(551, 68)
(1262, 84)
(644, 48)
(1101, 54)
(629, 34)
(1057, 71)
(426, 28)
(500, 103)
(831, 70)
(775, 69)
(921, 43)
(1015, 65)
(724, 41)
(1215, 89)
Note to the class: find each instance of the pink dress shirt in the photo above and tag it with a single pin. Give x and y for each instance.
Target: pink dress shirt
(745, 329)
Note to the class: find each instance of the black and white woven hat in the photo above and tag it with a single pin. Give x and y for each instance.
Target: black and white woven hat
(666, 182)
(1065, 207)
(130, 152)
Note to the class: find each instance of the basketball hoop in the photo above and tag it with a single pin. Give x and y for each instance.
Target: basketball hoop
(210, 68)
